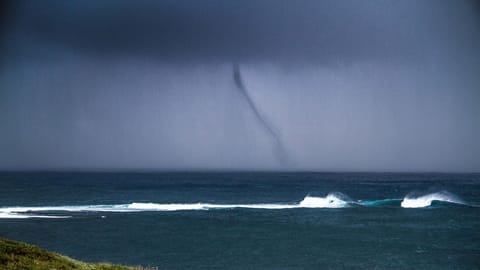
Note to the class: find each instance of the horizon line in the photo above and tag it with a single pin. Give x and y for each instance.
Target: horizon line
(198, 170)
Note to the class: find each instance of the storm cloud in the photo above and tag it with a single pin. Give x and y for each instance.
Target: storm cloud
(346, 85)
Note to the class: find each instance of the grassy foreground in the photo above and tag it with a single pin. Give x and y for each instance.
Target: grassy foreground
(20, 256)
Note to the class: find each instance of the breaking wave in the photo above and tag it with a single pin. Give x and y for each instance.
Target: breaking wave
(411, 201)
(332, 200)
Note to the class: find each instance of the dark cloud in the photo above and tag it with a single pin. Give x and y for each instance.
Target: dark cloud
(321, 31)
(338, 85)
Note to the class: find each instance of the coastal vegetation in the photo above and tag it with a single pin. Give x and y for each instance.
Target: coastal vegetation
(21, 256)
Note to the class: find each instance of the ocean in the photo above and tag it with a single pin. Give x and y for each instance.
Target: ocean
(248, 220)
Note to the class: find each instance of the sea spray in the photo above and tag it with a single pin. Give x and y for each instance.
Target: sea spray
(411, 201)
(332, 200)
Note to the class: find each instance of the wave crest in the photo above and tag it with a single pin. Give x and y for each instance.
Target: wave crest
(332, 200)
(426, 200)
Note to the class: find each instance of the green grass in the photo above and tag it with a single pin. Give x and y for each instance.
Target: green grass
(21, 256)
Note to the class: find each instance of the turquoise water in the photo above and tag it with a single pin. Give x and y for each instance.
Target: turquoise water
(249, 220)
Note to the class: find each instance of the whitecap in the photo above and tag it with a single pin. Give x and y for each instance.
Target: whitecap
(332, 200)
(426, 200)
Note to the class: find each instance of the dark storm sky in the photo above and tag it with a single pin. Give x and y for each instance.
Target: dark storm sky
(346, 85)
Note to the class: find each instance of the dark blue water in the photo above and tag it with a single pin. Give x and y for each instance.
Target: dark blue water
(363, 227)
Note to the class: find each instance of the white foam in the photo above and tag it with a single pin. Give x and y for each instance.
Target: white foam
(271, 206)
(204, 206)
(332, 200)
(165, 207)
(426, 200)
(23, 215)
(29, 212)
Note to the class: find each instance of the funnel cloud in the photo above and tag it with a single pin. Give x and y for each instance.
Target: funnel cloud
(279, 148)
